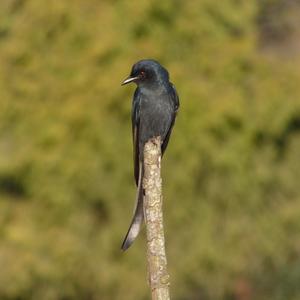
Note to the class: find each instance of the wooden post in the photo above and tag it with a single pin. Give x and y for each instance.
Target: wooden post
(156, 256)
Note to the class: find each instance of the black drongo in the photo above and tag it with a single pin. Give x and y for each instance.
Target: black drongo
(154, 107)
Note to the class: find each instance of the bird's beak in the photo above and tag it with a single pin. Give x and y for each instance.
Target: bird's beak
(129, 79)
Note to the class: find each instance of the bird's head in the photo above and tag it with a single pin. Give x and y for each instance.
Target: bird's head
(147, 72)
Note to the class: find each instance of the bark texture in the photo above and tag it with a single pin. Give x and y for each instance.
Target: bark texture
(156, 255)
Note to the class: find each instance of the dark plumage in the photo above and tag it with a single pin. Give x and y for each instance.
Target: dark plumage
(154, 107)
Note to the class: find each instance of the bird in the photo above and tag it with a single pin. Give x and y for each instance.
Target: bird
(154, 108)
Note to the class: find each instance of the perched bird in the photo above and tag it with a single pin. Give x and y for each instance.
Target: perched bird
(154, 106)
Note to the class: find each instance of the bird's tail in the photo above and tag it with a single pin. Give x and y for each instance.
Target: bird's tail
(138, 216)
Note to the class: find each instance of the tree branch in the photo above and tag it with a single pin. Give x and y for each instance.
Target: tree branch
(156, 256)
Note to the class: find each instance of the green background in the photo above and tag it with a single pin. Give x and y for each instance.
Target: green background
(230, 175)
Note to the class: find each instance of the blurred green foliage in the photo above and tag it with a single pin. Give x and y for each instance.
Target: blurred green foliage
(231, 173)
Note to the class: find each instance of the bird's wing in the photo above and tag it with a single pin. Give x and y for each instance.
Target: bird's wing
(135, 117)
(175, 100)
(138, 214)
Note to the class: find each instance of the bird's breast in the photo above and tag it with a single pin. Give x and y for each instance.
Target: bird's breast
(155, 117)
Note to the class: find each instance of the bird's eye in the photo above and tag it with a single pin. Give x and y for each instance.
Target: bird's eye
(143, 74)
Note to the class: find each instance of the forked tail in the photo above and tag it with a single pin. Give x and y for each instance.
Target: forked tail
(138, 216)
